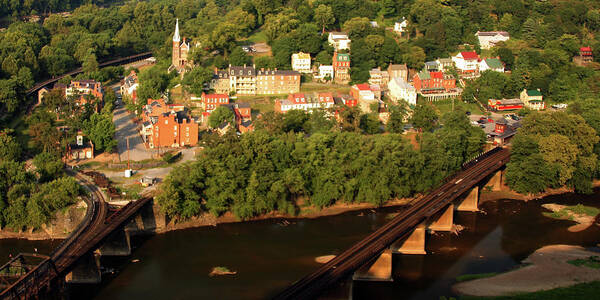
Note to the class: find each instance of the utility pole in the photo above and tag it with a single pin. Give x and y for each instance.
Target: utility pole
(128, 160)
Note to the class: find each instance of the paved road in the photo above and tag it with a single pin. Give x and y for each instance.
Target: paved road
(125, 128)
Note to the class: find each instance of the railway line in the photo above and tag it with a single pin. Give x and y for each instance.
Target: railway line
(116, 61)
(400, 227)
(88, 237)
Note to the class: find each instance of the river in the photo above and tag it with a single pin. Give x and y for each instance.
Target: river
(269, 255)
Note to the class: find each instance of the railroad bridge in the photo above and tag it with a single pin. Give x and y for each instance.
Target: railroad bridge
(371, 258)
(103, 232)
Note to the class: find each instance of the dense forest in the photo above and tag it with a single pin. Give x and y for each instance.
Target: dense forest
(289, 163)
(544, 37)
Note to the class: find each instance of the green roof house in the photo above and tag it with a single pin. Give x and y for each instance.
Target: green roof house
(533, 99)
(493, 64)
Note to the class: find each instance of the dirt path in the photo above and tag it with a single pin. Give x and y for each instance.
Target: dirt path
(548, 269)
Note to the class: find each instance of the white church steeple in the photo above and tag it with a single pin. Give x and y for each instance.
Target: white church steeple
(176, 35)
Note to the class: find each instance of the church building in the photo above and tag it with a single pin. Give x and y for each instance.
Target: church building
(180, 52)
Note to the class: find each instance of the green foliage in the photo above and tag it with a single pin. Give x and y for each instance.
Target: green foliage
(553, 150)
(238, 57)
(424, 117)
(154, 81)
(220, 115)
(271, 168)
(10, 149)
(48, 166)
(101, 130)
(195, 79)
(591, 262)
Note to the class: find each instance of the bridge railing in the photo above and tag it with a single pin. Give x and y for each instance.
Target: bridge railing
(130, 58)
(479, 157)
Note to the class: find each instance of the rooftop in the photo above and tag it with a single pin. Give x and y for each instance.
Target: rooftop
(492, 33)
(494, 63)
(469, 55)
(533, 93)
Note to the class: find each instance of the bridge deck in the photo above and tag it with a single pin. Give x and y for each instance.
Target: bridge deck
(400, 227)
(67, 255)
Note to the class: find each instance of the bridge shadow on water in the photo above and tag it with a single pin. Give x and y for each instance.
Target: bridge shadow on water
(111, 266)
(495, 240)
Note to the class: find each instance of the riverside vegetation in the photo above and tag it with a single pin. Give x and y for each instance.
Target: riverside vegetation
(284, 165)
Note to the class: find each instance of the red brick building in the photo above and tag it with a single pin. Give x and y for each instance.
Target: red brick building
(211, 101)
(433, 80)
(167, 125)
(341, 67)
(173, 130)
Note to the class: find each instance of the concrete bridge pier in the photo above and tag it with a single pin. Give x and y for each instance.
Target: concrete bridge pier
(444, 222)
(117, 244)
(87, 270)
(470, 203)
(378, 269)
(496, 181)
(414, 244)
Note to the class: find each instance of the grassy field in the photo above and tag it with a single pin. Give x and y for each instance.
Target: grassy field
(445, 106)
(587, 291)
(311, 87)
(260, 104)
(258, 36)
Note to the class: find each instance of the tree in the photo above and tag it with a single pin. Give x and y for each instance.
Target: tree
(90, 64)
(196, 79)
(369, 123)
(396, 120)
(101, 130)
(357, 27)
(10, 149)
(48, 166)
(220, 115)
(238, 57)
(324, 16)
(424, 118)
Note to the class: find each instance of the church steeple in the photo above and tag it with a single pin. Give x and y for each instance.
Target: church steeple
(176, 35)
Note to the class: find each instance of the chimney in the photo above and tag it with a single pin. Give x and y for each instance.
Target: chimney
(244, 66)
(79, 140)
(262, 69)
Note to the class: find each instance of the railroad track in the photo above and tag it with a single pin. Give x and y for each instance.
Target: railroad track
(86, 239)
(400, 227)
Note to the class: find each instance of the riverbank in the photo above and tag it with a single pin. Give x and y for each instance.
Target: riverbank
(547, 268)
(64, 223)
(208, 219)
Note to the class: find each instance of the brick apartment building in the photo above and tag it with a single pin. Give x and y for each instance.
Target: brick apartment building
(247, 80)
(89, 91)
(167, 126)
(435, 85)
(341, 67)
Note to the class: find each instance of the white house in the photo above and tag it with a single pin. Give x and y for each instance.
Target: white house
(466, 62)
(324, 71)
(339, 40)
(301, 62)
(374, 24)
(304, 102)
(400, 26)
(129, 86)
(488, 39)
(493, 64)
(402, 90)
